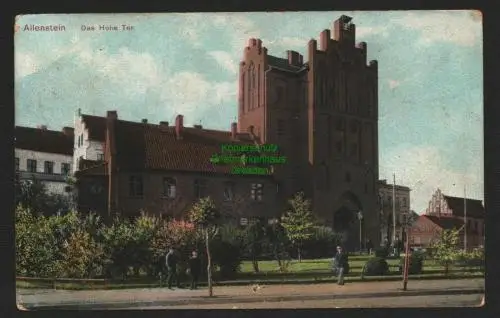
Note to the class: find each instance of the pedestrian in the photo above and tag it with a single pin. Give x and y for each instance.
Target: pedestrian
(171, 261)
(194, 269)
(369, 246)
(342, 263)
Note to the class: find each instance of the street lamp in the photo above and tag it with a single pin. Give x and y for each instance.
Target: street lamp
(360, 218)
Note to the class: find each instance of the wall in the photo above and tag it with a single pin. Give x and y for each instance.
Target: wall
(90, 148)
(402, 206)
(154, 202)
(55, 186)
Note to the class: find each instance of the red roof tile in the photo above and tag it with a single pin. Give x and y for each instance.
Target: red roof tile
(43, 140)
(474, 208)
(141, 146)
(445, 222)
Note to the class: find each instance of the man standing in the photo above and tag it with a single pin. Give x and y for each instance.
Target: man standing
(171, 262)
(194, 269)
(342, 263)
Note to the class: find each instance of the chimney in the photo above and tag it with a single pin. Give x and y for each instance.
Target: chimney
(179, 125)
(68, 131)
(293, 58)
(42, 127)
(112, 115)
(163, 124)
(198, 126)
(234, 130)
(144, 121)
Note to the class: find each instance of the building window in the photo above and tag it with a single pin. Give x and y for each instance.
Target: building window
(17, 164)
(48, 167)
(228, 191)
(243, 221)
(338, 146)
(280, 127)
(354, 149)
(347, 177)
(136, 186)
(257, 191)
(31, 165)
(100, 157)
(65, 167)
(169, 187)
(200, 188)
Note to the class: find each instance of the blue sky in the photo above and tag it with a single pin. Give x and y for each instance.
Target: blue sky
(430, 79)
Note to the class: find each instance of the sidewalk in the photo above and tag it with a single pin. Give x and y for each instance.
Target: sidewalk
(115, 299)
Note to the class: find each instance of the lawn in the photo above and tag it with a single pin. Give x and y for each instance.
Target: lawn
(356, 264)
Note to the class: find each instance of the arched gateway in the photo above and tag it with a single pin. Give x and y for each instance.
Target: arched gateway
(346, 221)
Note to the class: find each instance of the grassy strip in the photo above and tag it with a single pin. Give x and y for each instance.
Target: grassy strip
(283, 280)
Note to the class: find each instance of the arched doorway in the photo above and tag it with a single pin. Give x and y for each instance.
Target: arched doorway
(346, 221)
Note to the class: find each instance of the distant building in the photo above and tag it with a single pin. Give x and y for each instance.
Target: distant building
(44, 155)
(162, 170)
(89, 139)
(402, 209)
(447, 212)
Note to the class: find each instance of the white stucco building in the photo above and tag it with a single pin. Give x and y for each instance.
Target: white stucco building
(89, 138)
(44, 155)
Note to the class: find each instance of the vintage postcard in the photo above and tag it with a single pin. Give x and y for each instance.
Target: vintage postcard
(163, 160)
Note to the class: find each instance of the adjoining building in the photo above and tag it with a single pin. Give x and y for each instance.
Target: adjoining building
(390, 209)
(162, 170)
(44, 155)
(447, 212)
(323, 115)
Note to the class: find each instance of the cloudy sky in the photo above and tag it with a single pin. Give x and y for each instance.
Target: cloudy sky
(430, 79)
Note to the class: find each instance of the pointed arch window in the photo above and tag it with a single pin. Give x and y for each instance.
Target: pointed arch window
(251, 88)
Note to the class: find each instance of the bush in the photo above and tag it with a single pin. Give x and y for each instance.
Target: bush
(227, 249)
(382, 252)
(416, 264)
(376, 266)
(322, 244)
(83, 256)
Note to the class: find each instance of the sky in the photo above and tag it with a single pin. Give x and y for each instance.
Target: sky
(430, 79)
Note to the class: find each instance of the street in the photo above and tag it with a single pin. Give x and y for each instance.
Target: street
(380, 302)
(460, 292)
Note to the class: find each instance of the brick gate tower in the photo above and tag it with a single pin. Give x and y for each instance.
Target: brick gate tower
(323, 114)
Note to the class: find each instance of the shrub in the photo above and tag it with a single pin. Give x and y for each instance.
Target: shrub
(322, 244)
(376, 266)
(416, 264)
(83, 257)
(226, 257)
(382, 252)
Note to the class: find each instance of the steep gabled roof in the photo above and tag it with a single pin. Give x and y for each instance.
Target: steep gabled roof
(474, 207)
(445, 223)
(43, 140)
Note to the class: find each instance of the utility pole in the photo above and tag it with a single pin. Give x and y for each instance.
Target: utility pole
(394, 209)
(465, 220)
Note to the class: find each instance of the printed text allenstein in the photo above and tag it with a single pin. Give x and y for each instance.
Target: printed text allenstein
(46, 28)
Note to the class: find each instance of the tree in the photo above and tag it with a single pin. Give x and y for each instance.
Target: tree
(445, 248)
(205, 215)
(33, 195)
(255, 234)
(298, 222)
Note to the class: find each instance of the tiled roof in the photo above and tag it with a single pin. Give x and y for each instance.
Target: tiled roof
(43, 140)
(141, 146)
(446, 223)
(475, 208)
(283, 64)
(96, 126)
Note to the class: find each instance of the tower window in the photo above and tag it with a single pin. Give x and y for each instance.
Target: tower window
(347, 177)
(280, 127)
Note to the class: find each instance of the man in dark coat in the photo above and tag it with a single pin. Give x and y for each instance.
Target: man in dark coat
(194, 269)
(342, 263)
(171, 262)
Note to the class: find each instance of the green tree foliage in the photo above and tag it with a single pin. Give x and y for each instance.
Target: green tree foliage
(33, 195)
(322, 244)
(119, 244)
(255, 235)
(205, 215)
(445, 248)
(83, 257)
(278, 243)
(298, 222)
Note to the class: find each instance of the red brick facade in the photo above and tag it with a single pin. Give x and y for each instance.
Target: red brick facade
(323, 114)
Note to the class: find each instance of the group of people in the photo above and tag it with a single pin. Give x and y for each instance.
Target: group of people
(169, 265)
(340, 267)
